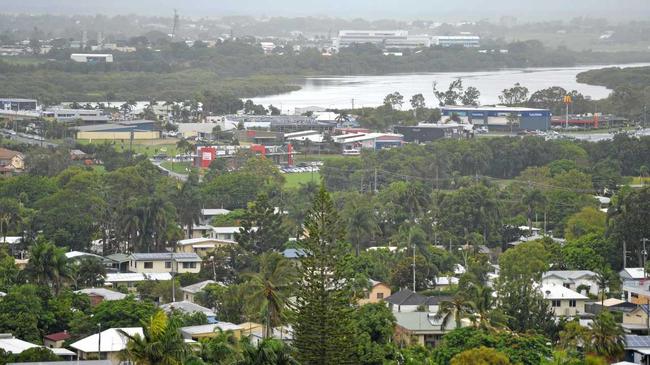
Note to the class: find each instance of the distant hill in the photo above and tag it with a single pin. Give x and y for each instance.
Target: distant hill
(430, 9)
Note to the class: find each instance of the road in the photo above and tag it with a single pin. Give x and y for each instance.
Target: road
(170, 173)
(20, 139)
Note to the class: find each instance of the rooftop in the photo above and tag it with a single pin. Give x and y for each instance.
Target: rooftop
(102, 292)
(569, 275)
(408, 297)
(211, 212)
(59, 336)
(187, 307)
(166, 256)
(112, 340)
(209, 328)
(556, 292)
(195, 288)
(419, 321)
(71, 362)
(635, 273)
(194, 241)
(136, 276)
(7, 154)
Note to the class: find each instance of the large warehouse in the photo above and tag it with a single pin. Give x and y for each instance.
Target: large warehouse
(498, 117)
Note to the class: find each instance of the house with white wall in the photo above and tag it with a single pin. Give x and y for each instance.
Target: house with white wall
(574, 280)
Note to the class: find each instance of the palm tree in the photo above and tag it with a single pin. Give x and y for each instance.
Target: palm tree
(266, 290)
(607, 337)
(484, 303)
(188, 202)
(221, 349)
(361, 222)
(604, 279)
(532, 199)
(9, 214)
(161, 343)
(47, 265)
(268, 352)
(459, 306)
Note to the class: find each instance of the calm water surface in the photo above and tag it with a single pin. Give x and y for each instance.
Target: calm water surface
(338, 91)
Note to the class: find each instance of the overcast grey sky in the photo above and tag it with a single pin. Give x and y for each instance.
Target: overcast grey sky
(430, 9)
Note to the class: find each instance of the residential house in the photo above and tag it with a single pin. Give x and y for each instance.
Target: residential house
(634, 274)
(112, 341)
(118, 262)
(210, 330)
(637, 292)
(165, 262)
(16, 346)
(406, 300)
(56, 340)
(189, 308)
(207, 215)
(563, 301)
(446, 282)
(200, 231)
(190, 291)
(11, 161)
(98, 295)
(637, 349)
(636, 321)
(293, 253)
(376, 294)
(201, 246)
(226, 233)
(255, 332)
(422, 328)
(582, 281)
(130, 279)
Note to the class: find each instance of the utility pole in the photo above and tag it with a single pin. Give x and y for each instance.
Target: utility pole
(645, 254)
(413, 259)
(173, 283)
(99, 345)
(624, 255)
(376, 190)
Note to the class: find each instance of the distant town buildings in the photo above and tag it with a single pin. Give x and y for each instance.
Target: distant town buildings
(92, 57)
(401, 39)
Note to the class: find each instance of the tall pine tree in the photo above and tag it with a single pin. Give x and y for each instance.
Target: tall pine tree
(262, 229)
(324, 329)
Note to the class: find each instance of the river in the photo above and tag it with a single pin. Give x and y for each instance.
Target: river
(369, 91)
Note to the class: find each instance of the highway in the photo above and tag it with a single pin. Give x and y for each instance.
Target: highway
(21, 139)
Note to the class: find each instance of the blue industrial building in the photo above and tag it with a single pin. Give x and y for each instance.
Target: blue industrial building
(499, 117)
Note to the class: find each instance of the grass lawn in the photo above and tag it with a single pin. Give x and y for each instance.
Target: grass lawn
(148, 148)
(294, 180)
(177, 167)
(22, 60)
(316, 157)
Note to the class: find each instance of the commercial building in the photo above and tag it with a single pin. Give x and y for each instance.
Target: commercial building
(124, 130)
(466, 41)
(499, 117)
(428, 132)
(353, 144)
(92, 58)
(74, 115)
(383, 38)
(18, 104)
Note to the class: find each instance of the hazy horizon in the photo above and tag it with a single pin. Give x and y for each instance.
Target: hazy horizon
(372, 9)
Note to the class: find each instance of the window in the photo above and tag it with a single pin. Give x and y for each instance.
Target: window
(168, 264)
(635, 295)
(568, 286)
(555, 303)
(189, 265)
(148, 265)
(572, 303)
(380, 295)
